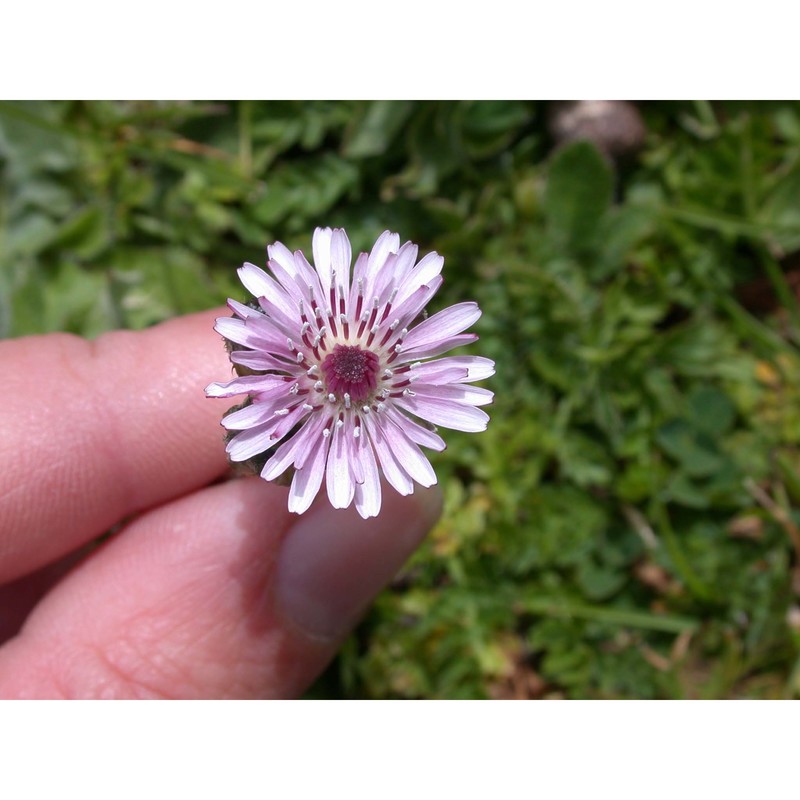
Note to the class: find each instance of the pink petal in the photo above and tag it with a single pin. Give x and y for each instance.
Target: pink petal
(447, 413)
(248, 384)
(427, 269)
(435, 349)
(255, 359)
(280, 253)
(252, 415)
(321, 245)
(473, 395)
(394, 473)
(368, 493)
(359, 271)
(338, 478)
(308, 276)
(409, 309)
(443, 325)
(307, 481)
(241, 309)
(408, 454)
(478, 367)
(256, 440)
(286, 454)
(341, 256)
(416, 432)
(251, 442)
(268, 291)
(438, 373)
(236, 331)
(387, 243)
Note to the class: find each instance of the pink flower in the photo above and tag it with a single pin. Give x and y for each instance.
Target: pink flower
(341, 378)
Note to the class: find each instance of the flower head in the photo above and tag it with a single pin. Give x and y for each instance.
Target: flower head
(339, 379)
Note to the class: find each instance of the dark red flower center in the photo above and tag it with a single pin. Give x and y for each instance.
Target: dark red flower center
(351, 370)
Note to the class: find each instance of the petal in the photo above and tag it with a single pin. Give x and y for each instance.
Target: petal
(407, 453)
(386, 243)
(359, 273)
(416, 432)
(406, 257)
(285, 455)
(240, 309)
(256, 359)
(478, 367)
(268, 291)
(447, 413)
(307, 275)
(341, 256)
(414, 353)
(255, 280)
(308, 479)
(247, 384)
(443, 325)
(280, 253)
(251, 442)
(338, 478)
(427, 269)
(235, 330)
(438, 373)
(368, 493)
(248, 417)
(394, 473)
(321, 245)
(472, 395)
(409, 309)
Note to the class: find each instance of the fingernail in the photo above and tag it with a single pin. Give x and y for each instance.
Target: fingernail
(333, 563)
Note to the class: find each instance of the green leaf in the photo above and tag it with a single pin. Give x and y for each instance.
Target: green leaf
(375, 130)
(578, 194)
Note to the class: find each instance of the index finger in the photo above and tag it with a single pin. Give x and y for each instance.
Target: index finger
(96, 430)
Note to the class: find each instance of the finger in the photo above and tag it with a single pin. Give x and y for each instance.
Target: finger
(219, 594)
(18, 598)
(93, 431)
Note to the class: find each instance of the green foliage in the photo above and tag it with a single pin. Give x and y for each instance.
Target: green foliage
(623, 528)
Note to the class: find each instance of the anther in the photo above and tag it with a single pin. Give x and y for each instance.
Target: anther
(313, 370)
(282, 412)
(347, 400)
(331, 397)
(318, 386)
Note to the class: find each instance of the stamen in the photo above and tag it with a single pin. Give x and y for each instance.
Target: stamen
(282, 412)
(331, 397)
(347, 400)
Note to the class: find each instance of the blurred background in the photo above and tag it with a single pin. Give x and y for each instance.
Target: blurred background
(628, 525)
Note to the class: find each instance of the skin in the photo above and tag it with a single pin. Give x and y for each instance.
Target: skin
(208, 587)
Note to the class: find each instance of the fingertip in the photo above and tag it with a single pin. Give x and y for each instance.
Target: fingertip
(332, 563)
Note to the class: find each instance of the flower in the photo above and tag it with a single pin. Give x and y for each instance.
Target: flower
(338, 370)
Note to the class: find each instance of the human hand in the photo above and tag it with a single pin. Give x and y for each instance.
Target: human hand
(203, 591)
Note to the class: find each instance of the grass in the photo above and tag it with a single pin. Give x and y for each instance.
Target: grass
(627, 527)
